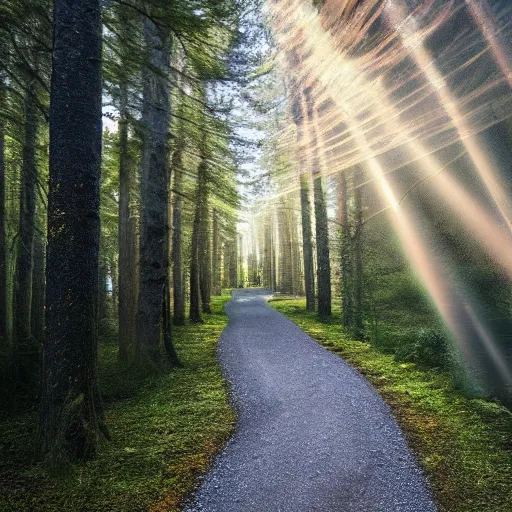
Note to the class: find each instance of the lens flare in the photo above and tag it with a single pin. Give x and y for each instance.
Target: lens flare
(368, 87)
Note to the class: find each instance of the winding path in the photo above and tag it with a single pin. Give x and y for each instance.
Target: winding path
(312, 434)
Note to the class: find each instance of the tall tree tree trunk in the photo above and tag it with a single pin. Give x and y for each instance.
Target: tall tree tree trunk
(273, 255)
(323, 271)
(103, 306)
(115, 287)
(309, 270)
(296, 261)
(233, 262)
(202, 227)
(216, 256)
(322, 251)
(71, 417)
(358, 257)
(24, 346)
(127, 298)
(267, 252)
(347, 317)
(177, 251)
(3, 239)
(195, 302)
(170, 352)
(24, 264)
(205, 256)
(240, 262)
(154, 193)
(38, 289)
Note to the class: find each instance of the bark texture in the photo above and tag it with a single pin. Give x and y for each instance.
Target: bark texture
(347, 303)
(3, 241)
(24, 262)
(216, 256)
(153, 194)
(127, 298)
(358, 257)
(322, 251)
(309, 270)
(71, 416)
(321, 224)
(177, 244)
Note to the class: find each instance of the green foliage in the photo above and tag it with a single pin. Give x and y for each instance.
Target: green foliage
(462, 443)
(430, 348)
(165, 429)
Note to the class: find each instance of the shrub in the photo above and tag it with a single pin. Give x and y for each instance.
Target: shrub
(433, 348)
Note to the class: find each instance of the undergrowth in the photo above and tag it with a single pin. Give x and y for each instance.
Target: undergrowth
(464, 444)
(165, 430)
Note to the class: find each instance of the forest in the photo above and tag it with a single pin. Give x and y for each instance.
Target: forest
(256, 255)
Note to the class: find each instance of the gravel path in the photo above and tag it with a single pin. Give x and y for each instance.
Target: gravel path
(312, 434)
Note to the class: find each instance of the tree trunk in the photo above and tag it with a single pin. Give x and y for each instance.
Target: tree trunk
(273, 256)
(323, 270)
(347, 318)
(103, 306)
(358, 258)
(322, 251)
(38, 290)
(170, 352)
(240, 262)
(24, 264)
(267, 252)
(71, 417)
(216, 257)
(309, 270)
(177, 251)
(127, 299)
(203, 233)
(195, 312)
(3, 239)
(233, 262)
(205, 256)
(154, 193)
(24, 348)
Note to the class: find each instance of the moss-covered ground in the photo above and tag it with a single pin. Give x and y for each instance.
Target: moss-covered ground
(165, 430)
(464, 444)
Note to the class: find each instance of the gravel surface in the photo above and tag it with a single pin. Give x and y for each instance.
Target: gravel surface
(312, 434)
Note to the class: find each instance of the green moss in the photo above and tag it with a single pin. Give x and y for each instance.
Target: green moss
(165, 430)
(464, 444)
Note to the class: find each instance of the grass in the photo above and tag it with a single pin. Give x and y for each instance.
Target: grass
(464, 444)
(165, 431)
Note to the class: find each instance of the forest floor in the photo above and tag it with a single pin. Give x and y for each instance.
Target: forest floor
(165, 431)
(312, 434)
(463, 444)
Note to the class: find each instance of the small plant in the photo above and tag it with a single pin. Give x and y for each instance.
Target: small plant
(433, 348)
